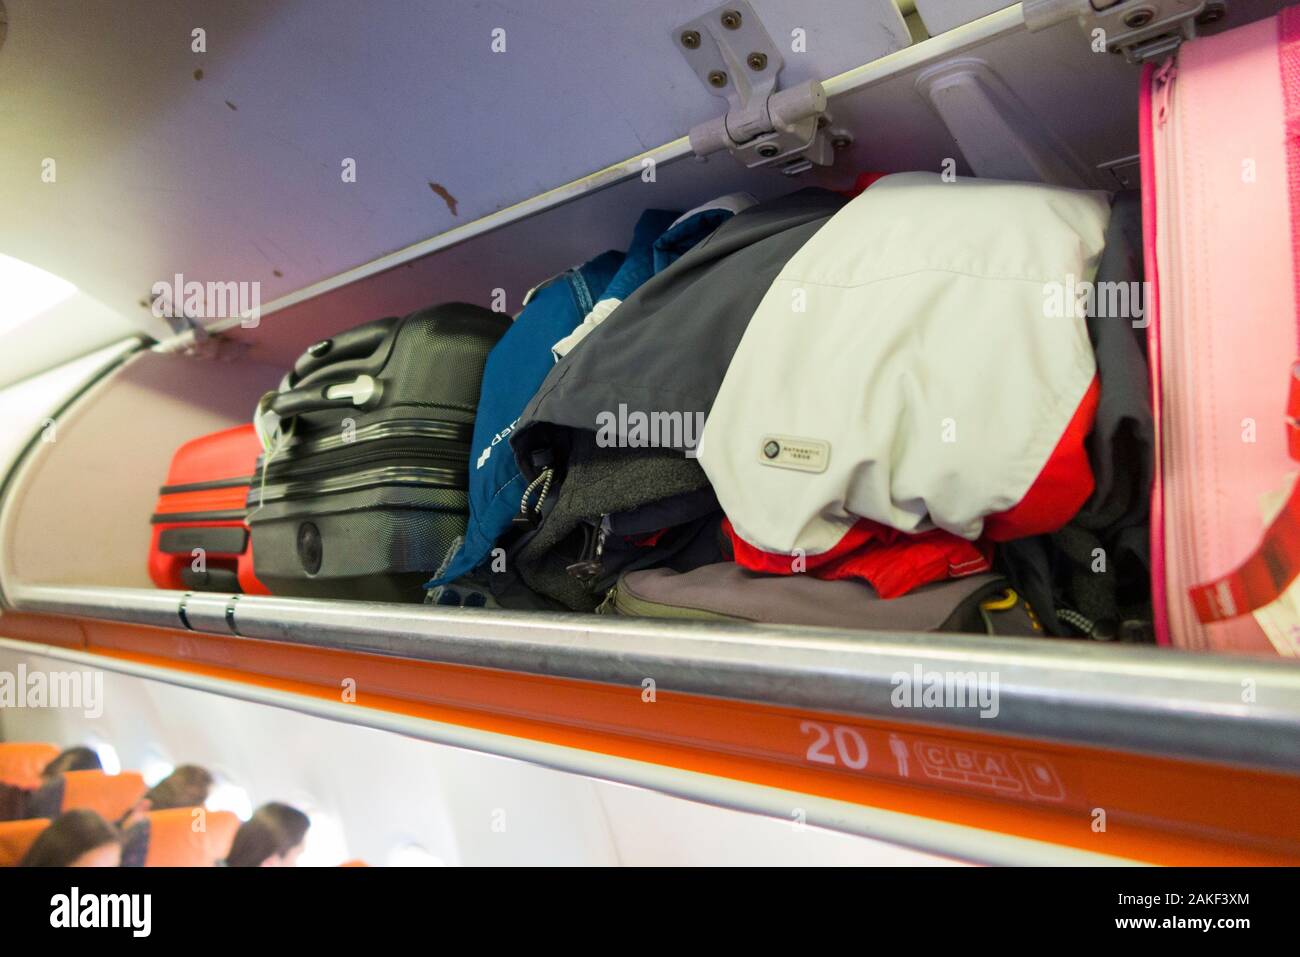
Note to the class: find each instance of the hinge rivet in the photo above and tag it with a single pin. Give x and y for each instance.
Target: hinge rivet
(731, 19)
(757, 61)
(691, 40)
(717, 78)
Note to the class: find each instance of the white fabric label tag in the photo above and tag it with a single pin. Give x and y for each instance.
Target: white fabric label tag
(788, 452)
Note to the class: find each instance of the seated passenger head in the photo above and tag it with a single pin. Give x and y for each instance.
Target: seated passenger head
(272, 837)
(73, 759)
(76, 839)
(187, 786)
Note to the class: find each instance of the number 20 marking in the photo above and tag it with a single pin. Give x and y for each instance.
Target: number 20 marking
(849, 745)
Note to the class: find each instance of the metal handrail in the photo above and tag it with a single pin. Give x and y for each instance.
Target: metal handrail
(1238, 711)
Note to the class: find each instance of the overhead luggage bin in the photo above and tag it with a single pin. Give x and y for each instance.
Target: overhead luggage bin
(1086, 752)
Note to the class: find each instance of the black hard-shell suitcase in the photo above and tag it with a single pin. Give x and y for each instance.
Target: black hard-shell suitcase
(366, 488)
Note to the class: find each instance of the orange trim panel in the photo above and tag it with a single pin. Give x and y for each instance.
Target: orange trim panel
(1158, 810)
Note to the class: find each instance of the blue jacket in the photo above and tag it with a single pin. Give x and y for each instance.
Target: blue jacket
(521, 360)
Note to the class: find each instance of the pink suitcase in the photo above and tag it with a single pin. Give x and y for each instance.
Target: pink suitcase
(1220, 133)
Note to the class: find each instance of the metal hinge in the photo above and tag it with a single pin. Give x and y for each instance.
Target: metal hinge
(735, 57)
(1140, 29)
(199, 343)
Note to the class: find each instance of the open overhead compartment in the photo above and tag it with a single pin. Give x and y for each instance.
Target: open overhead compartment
(1189, 767)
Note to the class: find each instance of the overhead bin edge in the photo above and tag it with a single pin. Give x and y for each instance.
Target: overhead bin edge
(1138, 700)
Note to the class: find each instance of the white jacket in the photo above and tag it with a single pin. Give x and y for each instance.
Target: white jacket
(903, 367)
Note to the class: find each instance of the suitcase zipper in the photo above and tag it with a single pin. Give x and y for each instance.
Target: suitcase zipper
(620, 601)
(383, 442)
(1179, 439)
(1164, 77)
(440, 479)
(349, 462)
(454, 433)
(609, 606)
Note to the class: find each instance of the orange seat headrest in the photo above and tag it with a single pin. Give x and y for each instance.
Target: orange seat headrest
(184, 837)
(21, 763)
(16, 837)
(112, 795)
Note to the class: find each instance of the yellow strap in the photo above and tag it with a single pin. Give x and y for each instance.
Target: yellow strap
(1008, 600)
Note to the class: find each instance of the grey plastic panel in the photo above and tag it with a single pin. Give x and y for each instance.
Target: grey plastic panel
(940, 16)
(77, 511)
(895, 128)
(27, 406)
(225, 164)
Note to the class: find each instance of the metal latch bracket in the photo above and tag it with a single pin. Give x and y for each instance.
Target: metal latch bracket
(1143, 30)
(734, 56)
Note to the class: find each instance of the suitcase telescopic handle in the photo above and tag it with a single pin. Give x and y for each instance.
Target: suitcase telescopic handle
(357, 343)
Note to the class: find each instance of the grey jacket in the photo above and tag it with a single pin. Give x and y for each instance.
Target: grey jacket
(667, 347)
